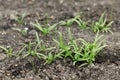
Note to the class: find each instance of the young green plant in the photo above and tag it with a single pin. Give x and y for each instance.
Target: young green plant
(22, 31)
(101, 25)
(30, 50)
(64, 48)
(19, 19)
(89, 50)
(9, 51)
(69, 22)
(44, 29)
(82, 24)
(50, 57)
(41, 46)
(34, 53)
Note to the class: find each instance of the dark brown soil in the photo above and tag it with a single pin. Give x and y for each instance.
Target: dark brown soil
(107, 64)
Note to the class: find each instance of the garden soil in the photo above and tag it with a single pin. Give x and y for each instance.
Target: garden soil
(107, 63)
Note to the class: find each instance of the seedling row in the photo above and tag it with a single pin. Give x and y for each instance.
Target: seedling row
(78, 50)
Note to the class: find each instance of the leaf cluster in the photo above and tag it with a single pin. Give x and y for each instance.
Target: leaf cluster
(44, 29)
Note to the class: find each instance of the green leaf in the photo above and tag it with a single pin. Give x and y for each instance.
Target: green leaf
(52, 27)
(36, 24)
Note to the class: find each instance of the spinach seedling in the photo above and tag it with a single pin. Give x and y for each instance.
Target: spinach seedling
(44, 29)
(69, 22)
(89, 50)
(64, 48)
(41, 46)
(82, 24)
(50, 57)
(9, 51)
(19, 19)
(101, 25)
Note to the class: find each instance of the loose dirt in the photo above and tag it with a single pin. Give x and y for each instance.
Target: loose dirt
(107, 64)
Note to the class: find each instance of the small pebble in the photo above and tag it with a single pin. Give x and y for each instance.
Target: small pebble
(2, 56)
(32, 32)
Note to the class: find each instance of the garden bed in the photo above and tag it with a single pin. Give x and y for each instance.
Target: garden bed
(107, 63)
